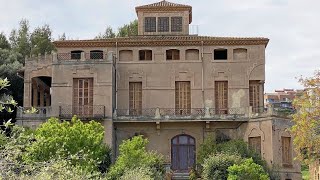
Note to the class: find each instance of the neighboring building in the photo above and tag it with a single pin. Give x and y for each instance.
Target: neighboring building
(280, 98)
(172, 87)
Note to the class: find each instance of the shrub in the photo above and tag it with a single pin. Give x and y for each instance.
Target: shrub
(216, 165)
(132, 155)
(247, 170)
(137, 174)
(81, 143)
(206, 148)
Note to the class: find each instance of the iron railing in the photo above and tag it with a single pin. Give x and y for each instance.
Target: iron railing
(36, 113)
(94, 55)
(82, 112)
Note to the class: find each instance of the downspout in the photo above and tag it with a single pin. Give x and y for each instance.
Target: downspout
(116, 97)
(202, 75)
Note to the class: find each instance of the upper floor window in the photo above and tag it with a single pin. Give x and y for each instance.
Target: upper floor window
(163, 24)
(145, 55)
(125, 55)
(76, 54)
(150, 24)
(220, 54)
(192, 54)
(173, 54)
(96, 54)
(176, 24)
(240, 54)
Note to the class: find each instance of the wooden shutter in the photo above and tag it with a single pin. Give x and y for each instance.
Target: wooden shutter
(83, 96)
(286, 150)
(135, 98)
(255, 144)
(183, 97)
(254, 96)
(176, 54)
(221, 97)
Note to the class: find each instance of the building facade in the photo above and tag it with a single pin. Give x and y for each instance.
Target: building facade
(174, 88)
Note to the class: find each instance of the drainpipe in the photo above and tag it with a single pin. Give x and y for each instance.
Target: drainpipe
(202, 74)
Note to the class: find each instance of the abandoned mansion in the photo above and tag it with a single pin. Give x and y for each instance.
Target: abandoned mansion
(172, 86)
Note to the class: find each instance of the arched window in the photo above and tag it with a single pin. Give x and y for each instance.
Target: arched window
(173, 54)
(76, 54)
(96, 54)
(240, 54)
(183, 150)
(125, 55)
(192, 54)
(220, 54)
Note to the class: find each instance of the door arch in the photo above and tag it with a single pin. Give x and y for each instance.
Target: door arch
(183, 154)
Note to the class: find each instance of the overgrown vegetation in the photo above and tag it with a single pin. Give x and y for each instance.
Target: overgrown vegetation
(247, 170)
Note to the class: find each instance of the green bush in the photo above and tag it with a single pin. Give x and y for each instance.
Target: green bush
(137, 174)
(208, 147)
(216, 165)
(247, 170)
(132, 155)
(81, 143)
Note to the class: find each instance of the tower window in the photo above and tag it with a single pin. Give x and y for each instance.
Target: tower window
(176, 24)
(163, 24)
(150, 24)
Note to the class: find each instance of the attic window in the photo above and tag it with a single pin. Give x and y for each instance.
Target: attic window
(150, 24)
(220, 54)
(163, 24)
(176, 24)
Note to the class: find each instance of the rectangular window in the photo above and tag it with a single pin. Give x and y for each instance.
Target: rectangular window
(220, 54)
(255, 96)
(135, 98)
(286, 150)
(163, 24)
(150, 24)
(255, 144)
(173, 54)
(83, 96)
(145, 55)
(221, 97)
(176, 24)
(183, 97)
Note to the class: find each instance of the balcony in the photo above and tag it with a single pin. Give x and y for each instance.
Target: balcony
(40, 113)
(83, 112)
(199, 114)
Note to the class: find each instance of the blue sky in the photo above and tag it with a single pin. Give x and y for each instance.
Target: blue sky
(291, 25)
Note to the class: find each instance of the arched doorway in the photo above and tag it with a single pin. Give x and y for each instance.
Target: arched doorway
(182, 153)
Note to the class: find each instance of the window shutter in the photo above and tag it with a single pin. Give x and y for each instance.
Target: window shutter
(221, 97)
(135, 98)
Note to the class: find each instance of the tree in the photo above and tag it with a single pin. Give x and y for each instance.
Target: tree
(62, 37)
(107, 34)
(247, 170)
(41, 40)
(81, 143)
(132, 155)
(306, 128)
(4, 43)
(20, 39)
(130, 29)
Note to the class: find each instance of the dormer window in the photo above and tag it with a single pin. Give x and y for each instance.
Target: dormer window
(150, 24)
(163, 24)
(176, 24)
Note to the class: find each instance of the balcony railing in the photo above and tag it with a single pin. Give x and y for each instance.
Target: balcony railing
(40, 113)
(181, 113)
(81, 56)
(82, 112)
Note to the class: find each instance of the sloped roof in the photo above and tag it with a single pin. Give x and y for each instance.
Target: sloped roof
(166, 6)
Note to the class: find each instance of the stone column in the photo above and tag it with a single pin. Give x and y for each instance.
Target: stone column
(27, 94)
(48, 103)
(41, 89)
(35, 95)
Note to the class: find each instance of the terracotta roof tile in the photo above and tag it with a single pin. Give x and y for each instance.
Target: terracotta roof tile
(163, 3)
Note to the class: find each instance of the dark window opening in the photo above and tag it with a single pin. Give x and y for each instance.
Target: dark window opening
(97, 54)
(163, 24)
(173, 54)
(220, 54)
(176, 24)
(145, 55)
(76, 54)
(150, 24)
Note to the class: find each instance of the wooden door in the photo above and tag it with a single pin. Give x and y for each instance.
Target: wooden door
(83, 97)
(135, 98)
(182, 153)
(221, 97)
(182, 98)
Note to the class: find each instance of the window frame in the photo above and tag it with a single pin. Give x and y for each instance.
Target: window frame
(145, 55)
(217, 57)
(173, 53)
(163, 24)
(150, 24)
(176, 24)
